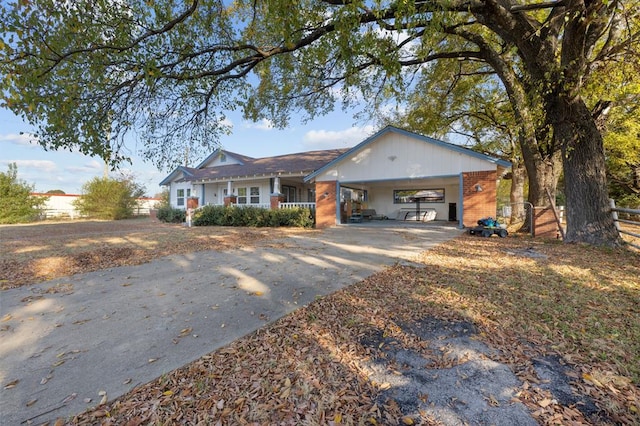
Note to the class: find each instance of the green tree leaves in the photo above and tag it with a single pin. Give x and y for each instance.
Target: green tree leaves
(17, 205)
(108, 198)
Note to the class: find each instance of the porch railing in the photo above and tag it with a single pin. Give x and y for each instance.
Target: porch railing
(267, 206)
(311, 206)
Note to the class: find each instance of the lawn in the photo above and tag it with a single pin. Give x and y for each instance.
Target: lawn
(528, 299)
(47, 250)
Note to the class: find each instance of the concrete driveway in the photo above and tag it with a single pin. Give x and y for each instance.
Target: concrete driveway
(65, 344)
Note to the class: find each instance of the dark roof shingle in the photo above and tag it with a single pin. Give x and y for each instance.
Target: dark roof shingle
(301, 163)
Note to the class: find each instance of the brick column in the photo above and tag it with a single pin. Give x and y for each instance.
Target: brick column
(326, 199)
(232, 199)
(277, 199)
(479, 192)
(192, 203)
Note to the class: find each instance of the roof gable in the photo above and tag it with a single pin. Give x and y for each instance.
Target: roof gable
(415, 136)
(180, 172)
(213, 160)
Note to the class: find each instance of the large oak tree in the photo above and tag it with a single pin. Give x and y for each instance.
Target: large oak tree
(169, 70)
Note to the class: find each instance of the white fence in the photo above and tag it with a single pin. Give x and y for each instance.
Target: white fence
(61, 206)
(633, 221)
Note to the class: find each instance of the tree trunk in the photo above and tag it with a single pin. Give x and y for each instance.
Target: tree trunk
(516, 196)
(543, 173)
(589, 218)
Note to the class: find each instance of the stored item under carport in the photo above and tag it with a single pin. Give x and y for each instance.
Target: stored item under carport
(487, 227)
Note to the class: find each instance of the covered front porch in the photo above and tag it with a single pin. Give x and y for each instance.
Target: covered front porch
(289, 191)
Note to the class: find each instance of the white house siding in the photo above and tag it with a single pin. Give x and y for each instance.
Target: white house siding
(229, 160)
(215, 192)
(212, 195)
(174, 187)
(398, 156)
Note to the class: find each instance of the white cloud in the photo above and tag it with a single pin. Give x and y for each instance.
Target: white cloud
(226, 122)
(22, 139)
(330, 138)
(264, 124)
(32, 165)
(90, 167)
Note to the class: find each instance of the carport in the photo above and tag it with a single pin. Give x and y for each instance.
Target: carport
(386, 170)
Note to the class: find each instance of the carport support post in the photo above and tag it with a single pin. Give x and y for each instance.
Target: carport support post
(326, 201)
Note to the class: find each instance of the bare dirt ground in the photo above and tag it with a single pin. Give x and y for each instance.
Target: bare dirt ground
(43, 251)
(564, 318)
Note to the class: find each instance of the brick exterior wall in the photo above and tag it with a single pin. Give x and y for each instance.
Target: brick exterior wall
(326, 205)
(478, 204)
(544, 223)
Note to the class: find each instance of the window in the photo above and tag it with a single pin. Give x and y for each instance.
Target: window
(180, 196)
(255, 195)
(242, 196)
(409, 196)
(289, 193)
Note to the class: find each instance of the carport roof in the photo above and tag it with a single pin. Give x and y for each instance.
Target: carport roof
(426, 139)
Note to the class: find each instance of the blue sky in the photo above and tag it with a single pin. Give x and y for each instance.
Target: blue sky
(68, 171)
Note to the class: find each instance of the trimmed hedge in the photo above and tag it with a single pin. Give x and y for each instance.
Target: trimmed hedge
(253, 217)
(171, 215)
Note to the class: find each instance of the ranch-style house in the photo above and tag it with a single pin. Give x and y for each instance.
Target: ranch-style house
(393, 174)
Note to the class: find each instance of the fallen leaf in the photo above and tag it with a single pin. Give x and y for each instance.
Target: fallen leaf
(285, 393)
(493, 401)
(6, 318)
(69, 398)
(544, 403)
(127, 381)
(408, 420)
(588, 377)
(30, 403)
(101, 413)
(12, 384)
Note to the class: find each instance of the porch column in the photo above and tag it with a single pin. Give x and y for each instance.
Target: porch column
(230, 198)
(276, 185)
(479, 191)
(276, 197)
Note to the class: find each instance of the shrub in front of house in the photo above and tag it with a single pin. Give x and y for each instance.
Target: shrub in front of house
(252, 217)
(171, 215)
